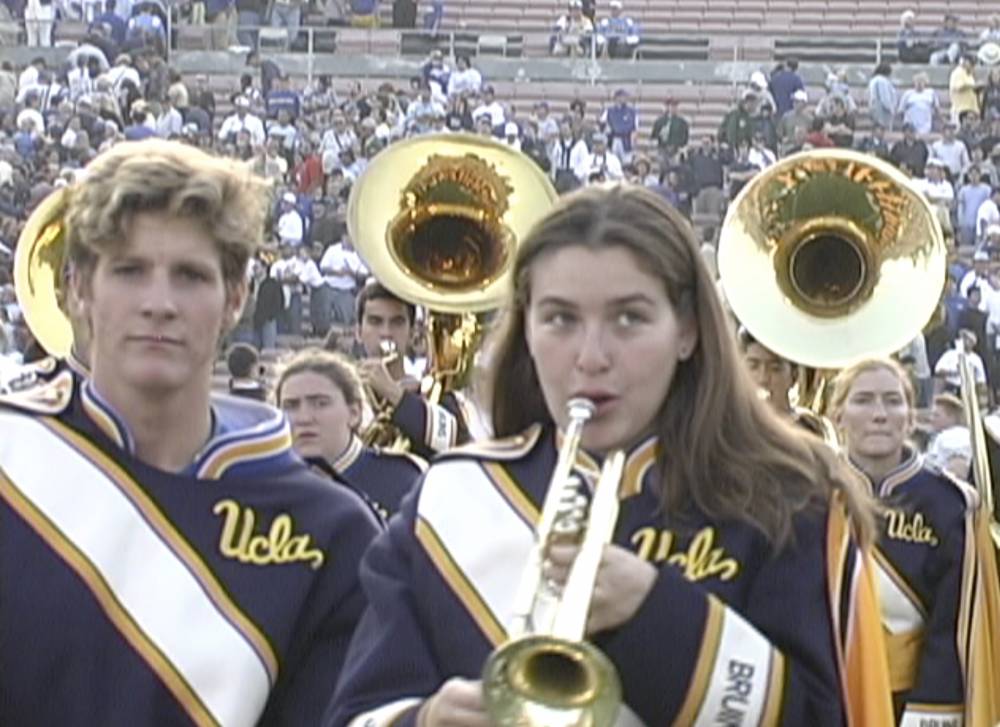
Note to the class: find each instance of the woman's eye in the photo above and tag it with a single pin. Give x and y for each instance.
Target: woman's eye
(629, 318)
(558, 318)
(126, 270)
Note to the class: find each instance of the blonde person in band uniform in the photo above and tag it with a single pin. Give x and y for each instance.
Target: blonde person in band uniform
(926, 557)
(719, 576)
(165, 557)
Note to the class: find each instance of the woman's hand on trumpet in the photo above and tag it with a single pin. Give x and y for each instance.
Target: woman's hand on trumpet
(458, 703)
(622, 584)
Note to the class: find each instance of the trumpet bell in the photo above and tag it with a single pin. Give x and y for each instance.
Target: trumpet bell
(829, 256)
(437, 218)
(543, 680)
(39, 269)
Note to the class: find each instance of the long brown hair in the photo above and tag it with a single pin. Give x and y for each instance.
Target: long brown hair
(725, 451)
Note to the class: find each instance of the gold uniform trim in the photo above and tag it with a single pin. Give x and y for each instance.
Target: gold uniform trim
(238, 452)
(702, 673)
(511, 492)
(176, 542)
(459, 583)
(774, 700)
(109, 603)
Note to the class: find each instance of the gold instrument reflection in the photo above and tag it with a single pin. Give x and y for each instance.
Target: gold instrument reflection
(437, 219)
(828, 257)
(546, 675)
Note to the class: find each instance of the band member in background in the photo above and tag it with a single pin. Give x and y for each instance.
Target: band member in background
(612, 302)
(165, 557)
(926, 556)
(322, 396)
(775, 377)
(430, 427)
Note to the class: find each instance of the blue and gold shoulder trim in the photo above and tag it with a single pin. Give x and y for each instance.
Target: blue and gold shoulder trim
(418, 462)
(41, 396)
(507, 448)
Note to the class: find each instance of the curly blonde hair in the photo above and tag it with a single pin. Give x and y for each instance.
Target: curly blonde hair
(165, 176)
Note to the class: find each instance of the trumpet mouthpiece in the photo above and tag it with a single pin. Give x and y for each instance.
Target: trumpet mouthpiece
(580, 408)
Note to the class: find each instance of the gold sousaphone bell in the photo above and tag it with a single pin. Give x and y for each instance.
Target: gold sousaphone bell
(39, 275)
(437, 219)
(831, 256)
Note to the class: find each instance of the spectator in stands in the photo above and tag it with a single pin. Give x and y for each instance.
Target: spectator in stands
(741, 171)
(738, 124)
(911, 45)
(962, 88)
(764, 126)
(800, 116)
(242, 119)
(987, 216)
(876, 144)
(883, 98)
(970, 198)
(817, 137)
(566, 155)
(548, 125)
(39, 19)
(978, 278)
(572, 33)
(919, 105)
(245, 371)
(364, 13)
(952, 151)
(947, 378)
(910, 153)
(434, 17)
(600, 160)
(670, 131)
(760, 155)
(989, 96)
(621, 121)
(465, 79)
(268, 69)
(948, 42)
(785, 82)
(422, 111)
(707, 172)
(490, 107)
(343, 270)
(839, 124)
(642, 172)
(435, 73)
(268, 306)
(939, 192)
(31, 113)
(290, 227)
(758, 84)
(619, 33)
(169, 121)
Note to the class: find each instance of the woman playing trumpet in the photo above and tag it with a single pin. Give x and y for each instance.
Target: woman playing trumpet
(714, 599)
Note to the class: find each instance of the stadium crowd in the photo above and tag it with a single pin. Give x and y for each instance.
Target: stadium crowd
(314, 142)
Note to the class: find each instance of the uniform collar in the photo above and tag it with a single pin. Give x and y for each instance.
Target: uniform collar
(911, 464)
(355, 448)
(639, 460)
(243, 432)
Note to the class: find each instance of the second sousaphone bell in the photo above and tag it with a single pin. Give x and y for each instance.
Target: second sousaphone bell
(830, 256)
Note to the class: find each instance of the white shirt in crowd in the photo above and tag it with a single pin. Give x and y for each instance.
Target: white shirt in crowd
(288, 271)
(290, 228)
(341, 267)
(234, 124)
(954, 154)
(947, 367)
(464, 82)
(37, 121)
(593, 163)
(309, 273)
(940, 192)
(980, 281)
(493, 110)
(987, 214)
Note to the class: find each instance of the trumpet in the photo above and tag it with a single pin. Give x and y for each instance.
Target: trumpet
(546, 675)
(381, 432)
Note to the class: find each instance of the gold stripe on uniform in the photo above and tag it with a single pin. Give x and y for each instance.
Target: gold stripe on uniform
(459, 584)
(109, 603)
(175, 541)
(707, 655)
(771, 714)
(514, 495)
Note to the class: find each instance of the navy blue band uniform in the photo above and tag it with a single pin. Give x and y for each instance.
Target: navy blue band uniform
(731, 632)
(223, 595)
(925, 568)
(384, 477)
(431, 428)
